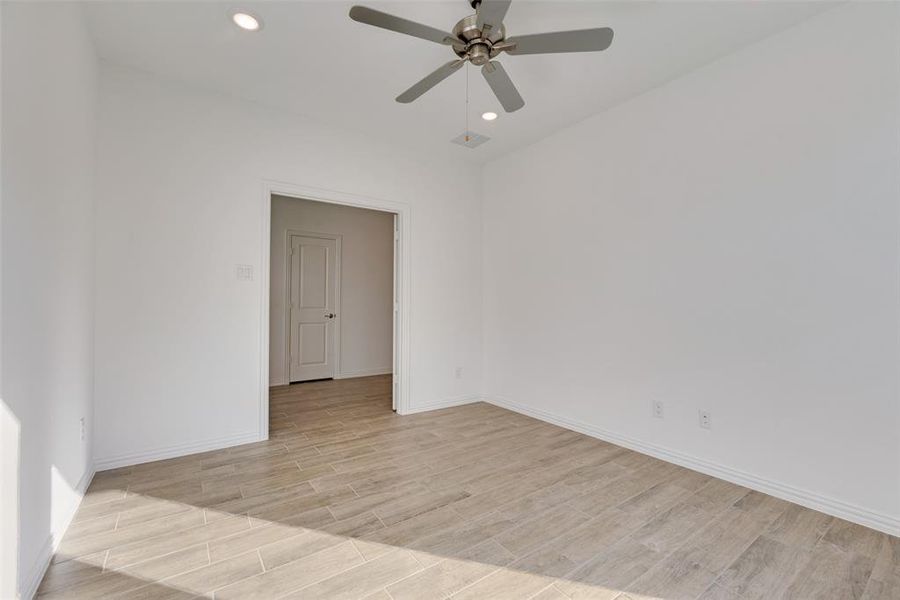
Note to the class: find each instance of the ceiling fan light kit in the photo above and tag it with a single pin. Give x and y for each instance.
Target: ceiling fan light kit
(479, 39)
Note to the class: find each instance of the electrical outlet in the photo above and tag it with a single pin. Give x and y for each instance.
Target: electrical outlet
(458, 372)
(705, 419)
(81, 423)
(658, 409)
(244, 272)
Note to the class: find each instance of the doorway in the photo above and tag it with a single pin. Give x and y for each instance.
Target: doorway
(308, 335)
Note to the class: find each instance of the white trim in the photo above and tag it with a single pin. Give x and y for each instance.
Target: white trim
(51, 544)
(30, 586)
(364, 373)
(446, 403)
(404, 217)
(338, 306)
(264, 267)
(395, 320)
(809, 499)
(81, 488)
(136, 458)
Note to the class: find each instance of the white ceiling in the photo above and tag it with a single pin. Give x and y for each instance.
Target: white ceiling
(311, 59)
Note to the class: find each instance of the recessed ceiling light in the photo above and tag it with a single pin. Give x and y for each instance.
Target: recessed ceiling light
(246, 21)
(489, 116)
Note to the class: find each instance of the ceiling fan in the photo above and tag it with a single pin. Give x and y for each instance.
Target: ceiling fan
(480, 38)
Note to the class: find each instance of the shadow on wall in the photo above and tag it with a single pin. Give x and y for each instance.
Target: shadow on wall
(18, 577)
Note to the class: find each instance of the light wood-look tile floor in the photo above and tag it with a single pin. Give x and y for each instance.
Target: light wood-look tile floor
(348, 500)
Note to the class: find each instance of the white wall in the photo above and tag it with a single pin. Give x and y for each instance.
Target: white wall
(367, 279)
(180, 204)
(49, 79)
(726, 242)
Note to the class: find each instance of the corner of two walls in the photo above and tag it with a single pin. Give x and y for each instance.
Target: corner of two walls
(181, 203)
(581, 308)
(708, 260)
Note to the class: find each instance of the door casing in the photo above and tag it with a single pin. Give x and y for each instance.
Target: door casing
(402, 296)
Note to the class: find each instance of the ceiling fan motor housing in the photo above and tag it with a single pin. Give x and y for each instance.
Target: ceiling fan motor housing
(474, 44)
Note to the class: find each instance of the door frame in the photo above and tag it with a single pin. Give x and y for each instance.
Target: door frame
(336, 329)
(402, 296)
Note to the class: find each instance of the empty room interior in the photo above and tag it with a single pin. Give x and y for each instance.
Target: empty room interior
(466, 299)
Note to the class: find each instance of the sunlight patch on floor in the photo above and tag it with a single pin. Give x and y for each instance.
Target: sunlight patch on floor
(291, 560)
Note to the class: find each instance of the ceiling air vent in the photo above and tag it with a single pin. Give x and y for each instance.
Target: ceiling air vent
(470, 139)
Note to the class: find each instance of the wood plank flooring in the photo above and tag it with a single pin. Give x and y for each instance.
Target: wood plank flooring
(348, 500)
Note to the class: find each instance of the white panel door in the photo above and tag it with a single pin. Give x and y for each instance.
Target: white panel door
(312, 307)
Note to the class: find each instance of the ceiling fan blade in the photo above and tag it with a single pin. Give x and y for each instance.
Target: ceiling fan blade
(503, 86)
(430, 81)
(581, 40)
(491, 13)
(377, 18)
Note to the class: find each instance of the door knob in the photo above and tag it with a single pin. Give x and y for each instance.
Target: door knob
(329, 315)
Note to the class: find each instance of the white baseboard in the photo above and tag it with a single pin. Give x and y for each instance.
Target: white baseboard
(364, 373)
(30, 585)
(813, 500)
(447, 403)
(342, 375)
(36, 574)
(136, 458)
